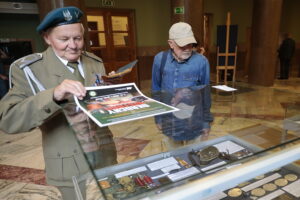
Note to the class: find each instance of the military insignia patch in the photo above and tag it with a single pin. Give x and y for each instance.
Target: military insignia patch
(77, 14)
(28, 60)
(67, 15)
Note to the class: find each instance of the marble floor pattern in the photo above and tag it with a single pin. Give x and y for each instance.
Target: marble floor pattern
(22, 174)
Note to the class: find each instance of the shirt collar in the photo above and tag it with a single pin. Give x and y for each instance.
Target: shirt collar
(65, 62)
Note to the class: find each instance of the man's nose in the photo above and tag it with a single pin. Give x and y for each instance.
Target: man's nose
(72, 43)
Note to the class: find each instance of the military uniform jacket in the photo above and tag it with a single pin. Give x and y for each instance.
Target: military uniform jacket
(21, 110)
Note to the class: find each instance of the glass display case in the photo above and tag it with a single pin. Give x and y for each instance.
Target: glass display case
(251, 151)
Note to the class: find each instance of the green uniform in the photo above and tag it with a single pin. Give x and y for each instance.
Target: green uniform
(21, 110)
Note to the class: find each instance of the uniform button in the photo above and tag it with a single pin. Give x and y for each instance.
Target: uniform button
(75, 151)
(58, 154)
(47, 110)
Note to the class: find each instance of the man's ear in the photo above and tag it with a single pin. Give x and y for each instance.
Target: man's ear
(46, 38)
(171, 43)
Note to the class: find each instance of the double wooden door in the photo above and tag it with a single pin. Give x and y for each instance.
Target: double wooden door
(112, 38)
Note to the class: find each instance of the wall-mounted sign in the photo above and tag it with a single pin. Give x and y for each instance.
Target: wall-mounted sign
(108, 3)
(179, 10)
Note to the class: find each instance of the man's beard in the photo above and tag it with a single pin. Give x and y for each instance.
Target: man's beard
(185, 55)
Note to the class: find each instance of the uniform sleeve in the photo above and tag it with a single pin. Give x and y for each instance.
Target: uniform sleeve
(22, 111)
(156, 76)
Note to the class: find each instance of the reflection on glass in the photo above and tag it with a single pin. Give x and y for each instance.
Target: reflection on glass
(120, 39)
(185, 126)
(96, 143)
(119, 23)
(95, 23)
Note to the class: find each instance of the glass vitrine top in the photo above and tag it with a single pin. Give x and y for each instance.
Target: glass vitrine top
(143, 157)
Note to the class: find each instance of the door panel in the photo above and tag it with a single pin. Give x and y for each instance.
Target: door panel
(112, 38)
(119, 23)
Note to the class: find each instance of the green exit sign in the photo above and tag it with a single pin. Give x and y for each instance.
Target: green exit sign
(179, 10)
(108, 3)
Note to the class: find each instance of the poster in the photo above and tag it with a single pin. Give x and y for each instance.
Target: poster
(108, 105)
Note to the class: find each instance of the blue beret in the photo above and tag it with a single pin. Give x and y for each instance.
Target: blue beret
(60, 16)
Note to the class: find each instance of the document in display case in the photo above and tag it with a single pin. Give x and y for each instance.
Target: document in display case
(155, 174)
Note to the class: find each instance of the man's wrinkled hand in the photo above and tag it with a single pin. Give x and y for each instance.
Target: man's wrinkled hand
(67, 88)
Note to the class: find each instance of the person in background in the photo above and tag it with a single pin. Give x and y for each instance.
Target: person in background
(285, 55)
(182, 67)
(3, 77)
(198, 48)
(41, 84)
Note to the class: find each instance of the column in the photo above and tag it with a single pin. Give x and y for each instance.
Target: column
(264, 41)
(193, 14)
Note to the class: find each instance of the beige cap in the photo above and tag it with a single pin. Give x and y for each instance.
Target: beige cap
(182, 34)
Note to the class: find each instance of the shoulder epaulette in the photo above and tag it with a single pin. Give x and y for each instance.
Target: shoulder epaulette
(91, 55)
(28, 60)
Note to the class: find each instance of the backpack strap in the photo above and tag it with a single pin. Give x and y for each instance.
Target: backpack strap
(162, 64)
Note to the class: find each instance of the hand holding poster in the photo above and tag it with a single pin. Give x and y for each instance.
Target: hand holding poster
(107, 105)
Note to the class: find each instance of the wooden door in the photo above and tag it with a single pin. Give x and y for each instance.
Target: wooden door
(112, 38)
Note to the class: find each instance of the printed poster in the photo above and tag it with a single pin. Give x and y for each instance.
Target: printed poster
(108, 105)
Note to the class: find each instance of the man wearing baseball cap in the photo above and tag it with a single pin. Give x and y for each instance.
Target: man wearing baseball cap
(181, 67)
(41, 84)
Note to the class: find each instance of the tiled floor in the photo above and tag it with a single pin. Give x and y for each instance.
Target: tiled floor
(21, 159)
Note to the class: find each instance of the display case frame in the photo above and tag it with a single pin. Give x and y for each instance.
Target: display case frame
(218, 179)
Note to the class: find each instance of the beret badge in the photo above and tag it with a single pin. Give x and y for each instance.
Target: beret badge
(67, 15)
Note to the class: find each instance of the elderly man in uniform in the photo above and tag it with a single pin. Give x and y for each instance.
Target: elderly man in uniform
(41, 83)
